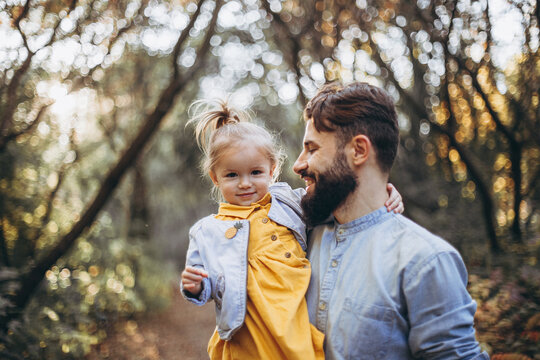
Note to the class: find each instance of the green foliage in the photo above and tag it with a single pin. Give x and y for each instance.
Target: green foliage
(103, 280)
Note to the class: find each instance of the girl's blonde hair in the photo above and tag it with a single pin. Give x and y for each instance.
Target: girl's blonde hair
(218, 126)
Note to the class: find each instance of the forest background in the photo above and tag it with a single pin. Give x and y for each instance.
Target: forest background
(99, 178)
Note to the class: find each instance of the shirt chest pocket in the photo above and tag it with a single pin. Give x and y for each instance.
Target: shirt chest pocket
(363, 331)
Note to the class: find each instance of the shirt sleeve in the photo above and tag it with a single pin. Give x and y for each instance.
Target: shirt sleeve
(194, 259)
(441, 311)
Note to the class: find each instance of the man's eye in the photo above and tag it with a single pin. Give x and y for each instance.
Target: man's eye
(311, 150)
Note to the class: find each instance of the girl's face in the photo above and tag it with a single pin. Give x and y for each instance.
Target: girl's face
(243, 174)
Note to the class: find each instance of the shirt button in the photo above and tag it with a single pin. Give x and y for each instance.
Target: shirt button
(340, 232)
(273, 237)
(287, 254)
(265, 220)
(334, 263)
(322, 306)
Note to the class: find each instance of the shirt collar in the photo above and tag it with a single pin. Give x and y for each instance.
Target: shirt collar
(243, 212)
(375, 217)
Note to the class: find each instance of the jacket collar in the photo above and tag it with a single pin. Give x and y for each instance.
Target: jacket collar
(243, 212)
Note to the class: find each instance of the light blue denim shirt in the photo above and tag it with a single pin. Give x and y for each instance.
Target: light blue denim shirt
(383, 287)
(225, 259)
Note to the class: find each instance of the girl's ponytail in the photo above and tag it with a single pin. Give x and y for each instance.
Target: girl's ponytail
(211, 115)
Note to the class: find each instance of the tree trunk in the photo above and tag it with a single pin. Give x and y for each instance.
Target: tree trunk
(31, 280)
(138, 226)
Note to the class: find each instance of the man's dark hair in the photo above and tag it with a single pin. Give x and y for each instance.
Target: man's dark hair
(357, 108)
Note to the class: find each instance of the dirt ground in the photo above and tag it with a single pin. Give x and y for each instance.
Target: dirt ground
(180, 332)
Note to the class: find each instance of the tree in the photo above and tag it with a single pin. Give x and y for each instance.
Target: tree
(463, 110)
(102, 30)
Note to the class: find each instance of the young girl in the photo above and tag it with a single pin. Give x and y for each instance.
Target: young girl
(250, 257)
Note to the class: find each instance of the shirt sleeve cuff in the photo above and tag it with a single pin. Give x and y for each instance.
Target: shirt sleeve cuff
(203, 296)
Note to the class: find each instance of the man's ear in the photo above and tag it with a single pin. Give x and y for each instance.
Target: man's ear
(360, 148)
(213, 177)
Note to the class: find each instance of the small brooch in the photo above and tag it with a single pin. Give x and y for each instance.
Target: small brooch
(231, 232)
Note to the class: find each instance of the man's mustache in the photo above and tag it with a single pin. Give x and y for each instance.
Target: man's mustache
(305, 173)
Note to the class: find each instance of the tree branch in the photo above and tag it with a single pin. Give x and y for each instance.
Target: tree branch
(24, 12)
(7, 116)
(286, 35)
(14, 135)
(515, 148)
(34, 276)
(52, 195)
(420, 110)
(3, 247)
(80, 80)
(475, 174)
(183, 37)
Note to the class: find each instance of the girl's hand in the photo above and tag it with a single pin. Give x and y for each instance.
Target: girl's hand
(394, 202)
(192, 279)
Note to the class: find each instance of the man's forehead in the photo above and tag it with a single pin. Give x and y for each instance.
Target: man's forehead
(313, 136)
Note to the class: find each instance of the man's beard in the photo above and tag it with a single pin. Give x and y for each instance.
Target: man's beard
(331, 188)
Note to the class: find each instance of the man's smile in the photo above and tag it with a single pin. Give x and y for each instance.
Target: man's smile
(309, 182)
(309, 179)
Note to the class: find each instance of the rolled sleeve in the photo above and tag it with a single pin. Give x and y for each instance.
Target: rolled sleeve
(441, 311)
(194, 259)
(203, 297)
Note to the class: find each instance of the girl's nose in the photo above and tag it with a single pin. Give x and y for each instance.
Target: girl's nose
(244, 182)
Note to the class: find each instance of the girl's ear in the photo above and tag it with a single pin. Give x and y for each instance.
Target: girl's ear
(213, 177)
(360, 149)
(272, 169)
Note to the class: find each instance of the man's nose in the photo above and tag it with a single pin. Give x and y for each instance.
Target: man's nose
(300, 164)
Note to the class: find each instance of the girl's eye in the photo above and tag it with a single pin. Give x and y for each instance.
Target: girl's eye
(256, 172)
(230, 175)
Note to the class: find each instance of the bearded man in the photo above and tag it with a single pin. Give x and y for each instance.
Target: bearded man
(382, 287)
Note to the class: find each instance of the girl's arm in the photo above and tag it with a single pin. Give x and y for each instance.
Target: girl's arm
(195, 283)
(394, 202)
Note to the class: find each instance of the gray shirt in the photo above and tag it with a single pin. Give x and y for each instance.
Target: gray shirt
(383, 287)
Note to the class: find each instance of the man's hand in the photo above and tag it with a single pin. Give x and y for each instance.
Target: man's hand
(394, 202)
(192, 279)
